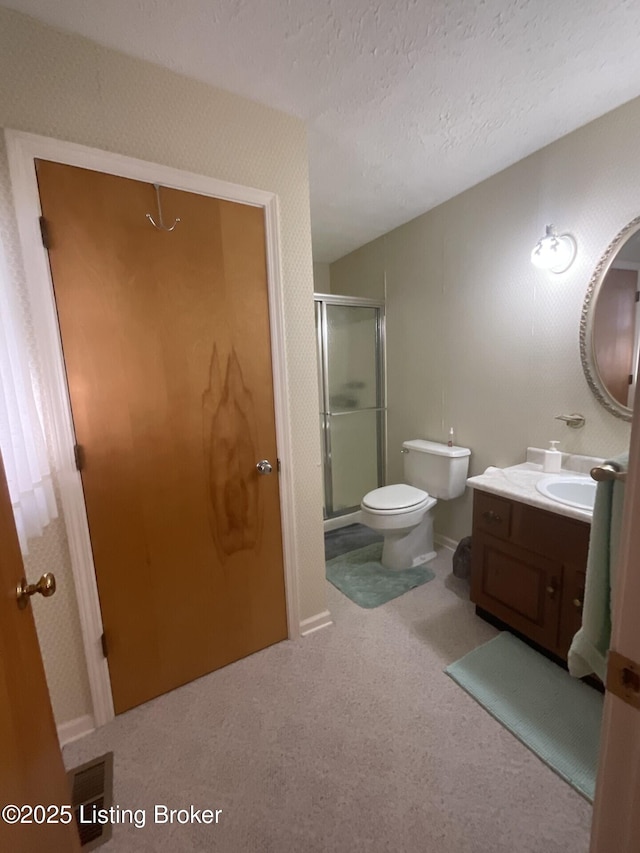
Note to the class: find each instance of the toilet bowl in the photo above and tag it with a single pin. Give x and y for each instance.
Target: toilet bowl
(403, 513)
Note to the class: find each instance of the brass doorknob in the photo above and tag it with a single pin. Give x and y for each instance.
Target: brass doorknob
(46, 586)
(264, 466)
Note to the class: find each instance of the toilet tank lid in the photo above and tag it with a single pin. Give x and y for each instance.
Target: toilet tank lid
(435, 447)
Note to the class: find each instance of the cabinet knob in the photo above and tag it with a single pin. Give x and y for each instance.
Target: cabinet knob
(552, 588)
(577, 603)
(491, 516)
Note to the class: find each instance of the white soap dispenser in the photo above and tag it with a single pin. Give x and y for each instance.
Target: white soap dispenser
(552, 458)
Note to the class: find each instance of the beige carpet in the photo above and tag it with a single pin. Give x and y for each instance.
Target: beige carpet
(350, 740)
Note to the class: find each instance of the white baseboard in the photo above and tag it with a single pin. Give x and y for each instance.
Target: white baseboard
(451, 544)
(315, 623)
(342, 521)
(75, 729)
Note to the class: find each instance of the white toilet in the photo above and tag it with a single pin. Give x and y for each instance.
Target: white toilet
(403, 513)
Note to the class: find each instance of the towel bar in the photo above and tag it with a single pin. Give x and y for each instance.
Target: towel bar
(608, 471)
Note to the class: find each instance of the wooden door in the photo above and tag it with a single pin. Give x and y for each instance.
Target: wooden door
(616, 807)
(168, 358)
(31, 769)
(614, 331)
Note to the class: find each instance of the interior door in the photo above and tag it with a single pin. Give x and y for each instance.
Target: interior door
(166, 343)
(614, 332)
(31, 769)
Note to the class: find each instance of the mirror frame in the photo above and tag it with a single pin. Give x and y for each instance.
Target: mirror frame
(587, 356)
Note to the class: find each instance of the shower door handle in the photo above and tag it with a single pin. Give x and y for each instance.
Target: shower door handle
(264, 467)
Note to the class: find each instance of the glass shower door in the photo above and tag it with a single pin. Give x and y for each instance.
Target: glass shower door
(352, 400)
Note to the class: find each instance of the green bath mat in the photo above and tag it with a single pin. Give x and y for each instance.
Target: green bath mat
(556, 716)
(361, 577)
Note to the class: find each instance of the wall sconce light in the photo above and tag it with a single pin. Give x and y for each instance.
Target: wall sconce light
(554, 252)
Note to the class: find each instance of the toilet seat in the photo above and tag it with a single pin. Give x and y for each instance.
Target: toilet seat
(396, 499)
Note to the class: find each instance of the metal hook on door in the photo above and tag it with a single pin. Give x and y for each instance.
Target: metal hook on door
(161, 226)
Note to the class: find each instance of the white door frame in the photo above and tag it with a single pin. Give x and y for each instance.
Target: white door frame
(22, 150)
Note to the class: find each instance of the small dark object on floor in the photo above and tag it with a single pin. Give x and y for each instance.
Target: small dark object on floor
(462, 559)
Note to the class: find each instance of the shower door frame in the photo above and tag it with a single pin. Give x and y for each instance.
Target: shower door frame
(322, 300)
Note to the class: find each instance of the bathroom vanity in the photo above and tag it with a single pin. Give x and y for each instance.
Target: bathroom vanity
(528, 569)
(529, 556)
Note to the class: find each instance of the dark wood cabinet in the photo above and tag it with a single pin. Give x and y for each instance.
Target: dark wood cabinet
(528, 569)
(572, 598)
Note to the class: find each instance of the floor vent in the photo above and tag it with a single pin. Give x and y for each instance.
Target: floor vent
(91, 792)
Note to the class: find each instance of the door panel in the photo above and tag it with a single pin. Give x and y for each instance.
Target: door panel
(354, 457)
(573, 586)
(519, 587)
(31, 769)
(167, 352)
(351, 394)
(614, 331)
(352, 358)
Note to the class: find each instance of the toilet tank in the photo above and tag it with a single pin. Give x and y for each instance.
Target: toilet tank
(436, 468)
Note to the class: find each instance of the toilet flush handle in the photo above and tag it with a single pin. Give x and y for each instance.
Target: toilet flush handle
(404, 450)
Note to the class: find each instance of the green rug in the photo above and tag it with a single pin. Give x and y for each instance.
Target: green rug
(361, 577)
(556, 716)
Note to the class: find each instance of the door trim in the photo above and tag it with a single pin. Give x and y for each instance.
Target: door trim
(22, 150)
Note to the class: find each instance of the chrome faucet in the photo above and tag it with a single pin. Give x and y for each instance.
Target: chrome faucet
(575, 420)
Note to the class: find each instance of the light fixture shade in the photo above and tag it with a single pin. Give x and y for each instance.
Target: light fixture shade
(554, 252)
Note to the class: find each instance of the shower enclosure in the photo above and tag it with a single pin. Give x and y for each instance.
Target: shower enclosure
(350, 340)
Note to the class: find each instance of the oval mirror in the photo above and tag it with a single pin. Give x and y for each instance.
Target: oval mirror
(610, 327)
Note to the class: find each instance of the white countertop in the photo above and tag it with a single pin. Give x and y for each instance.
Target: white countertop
(518, 482)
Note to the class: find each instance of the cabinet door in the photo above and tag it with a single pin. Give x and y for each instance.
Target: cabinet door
(572, 598)
(520, 588)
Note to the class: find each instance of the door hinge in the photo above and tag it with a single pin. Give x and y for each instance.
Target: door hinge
(623, 679)
(278, 466)
(44, 233)
(631, 379)
(103, 643)
(78, 455)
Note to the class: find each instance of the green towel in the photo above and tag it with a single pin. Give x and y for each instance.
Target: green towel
(588, 652)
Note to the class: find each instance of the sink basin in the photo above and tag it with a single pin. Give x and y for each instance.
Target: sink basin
(577, 491)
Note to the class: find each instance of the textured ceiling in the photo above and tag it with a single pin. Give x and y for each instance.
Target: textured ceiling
(408, 102)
